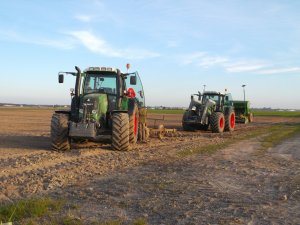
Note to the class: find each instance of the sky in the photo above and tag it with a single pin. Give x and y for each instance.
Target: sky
(176, 46)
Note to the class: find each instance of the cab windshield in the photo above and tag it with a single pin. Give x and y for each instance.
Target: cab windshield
(215, 98)
(100, 83)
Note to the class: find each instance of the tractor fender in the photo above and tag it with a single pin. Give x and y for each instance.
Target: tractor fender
(67, 112)
(131, 105)
(228, 109)
(119, 111)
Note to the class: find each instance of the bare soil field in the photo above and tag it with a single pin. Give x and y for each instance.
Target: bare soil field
(190, 178)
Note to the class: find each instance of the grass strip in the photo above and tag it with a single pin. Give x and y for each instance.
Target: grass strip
(278, 134)
(29, 208)
(277, 113)
(271, 136)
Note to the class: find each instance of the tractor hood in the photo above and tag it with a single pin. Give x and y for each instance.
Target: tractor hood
(93, 107)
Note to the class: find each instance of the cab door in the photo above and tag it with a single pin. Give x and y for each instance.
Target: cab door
(134, 81)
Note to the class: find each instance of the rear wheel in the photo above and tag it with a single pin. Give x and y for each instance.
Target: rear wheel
(133, 125)
(217, 122)
(60, 140)
(120, 132)
(230, 121)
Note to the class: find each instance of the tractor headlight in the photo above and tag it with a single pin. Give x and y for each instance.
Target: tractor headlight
(194, 108)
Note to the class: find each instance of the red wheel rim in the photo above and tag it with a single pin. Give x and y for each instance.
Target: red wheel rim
(135, 122)
(232, 120)
(221, 122)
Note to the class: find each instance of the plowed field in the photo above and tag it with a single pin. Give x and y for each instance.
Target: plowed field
(188, 178)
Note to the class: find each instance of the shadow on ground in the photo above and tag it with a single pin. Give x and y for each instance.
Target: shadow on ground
(25, 142)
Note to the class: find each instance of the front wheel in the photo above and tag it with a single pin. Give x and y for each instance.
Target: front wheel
(60, 140)
(120, 132)
(217, 122)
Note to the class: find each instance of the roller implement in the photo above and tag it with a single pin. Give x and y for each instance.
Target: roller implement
(106, 104)
(212, 110)
(242, 112)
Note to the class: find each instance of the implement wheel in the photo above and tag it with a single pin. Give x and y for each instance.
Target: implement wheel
(250, 117)
(60, 140)
(230, 121)
(217, 122)
(120, 132)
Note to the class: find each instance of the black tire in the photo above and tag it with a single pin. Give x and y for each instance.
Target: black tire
(203, 127)
(120, 132)
(133, 124)
(230, 121)
(60, 140)
(217, 122)
(185, 126)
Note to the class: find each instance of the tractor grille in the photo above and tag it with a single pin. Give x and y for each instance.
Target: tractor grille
(90, 106)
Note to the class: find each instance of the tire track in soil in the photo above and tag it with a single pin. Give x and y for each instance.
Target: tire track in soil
(46, 171)
(235, 186)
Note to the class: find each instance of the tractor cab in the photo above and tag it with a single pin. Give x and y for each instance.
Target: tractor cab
(216, 98)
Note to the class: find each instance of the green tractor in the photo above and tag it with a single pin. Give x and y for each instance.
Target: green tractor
(210, 109)
(106, 105)
(242, 112)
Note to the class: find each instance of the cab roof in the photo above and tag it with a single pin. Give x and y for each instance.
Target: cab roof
(97, 68)
(212, 93)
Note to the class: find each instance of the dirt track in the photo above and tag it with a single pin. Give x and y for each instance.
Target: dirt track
(235, 185)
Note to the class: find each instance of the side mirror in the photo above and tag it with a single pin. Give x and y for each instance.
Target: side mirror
(60, 78)
(133, 80)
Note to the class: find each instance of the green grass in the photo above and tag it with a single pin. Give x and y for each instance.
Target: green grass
(166, 111)
(272, 136)
(276, 113)
(48, 211)
(256, 113)
(279, 133)
(29, 208)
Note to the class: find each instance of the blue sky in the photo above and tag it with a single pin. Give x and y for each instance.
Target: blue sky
(176, 46)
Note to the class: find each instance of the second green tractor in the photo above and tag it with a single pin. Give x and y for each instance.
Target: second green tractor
(212, 110)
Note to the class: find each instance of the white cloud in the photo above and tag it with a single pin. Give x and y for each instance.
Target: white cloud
(173, 44)
(212, 61)
(100, 46)
(62, 43)
(240, 67)
(279, 70)
(84, 18)
(193, 58)
(202, 59)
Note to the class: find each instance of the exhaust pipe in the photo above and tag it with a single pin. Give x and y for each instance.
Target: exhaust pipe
(78, 81)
